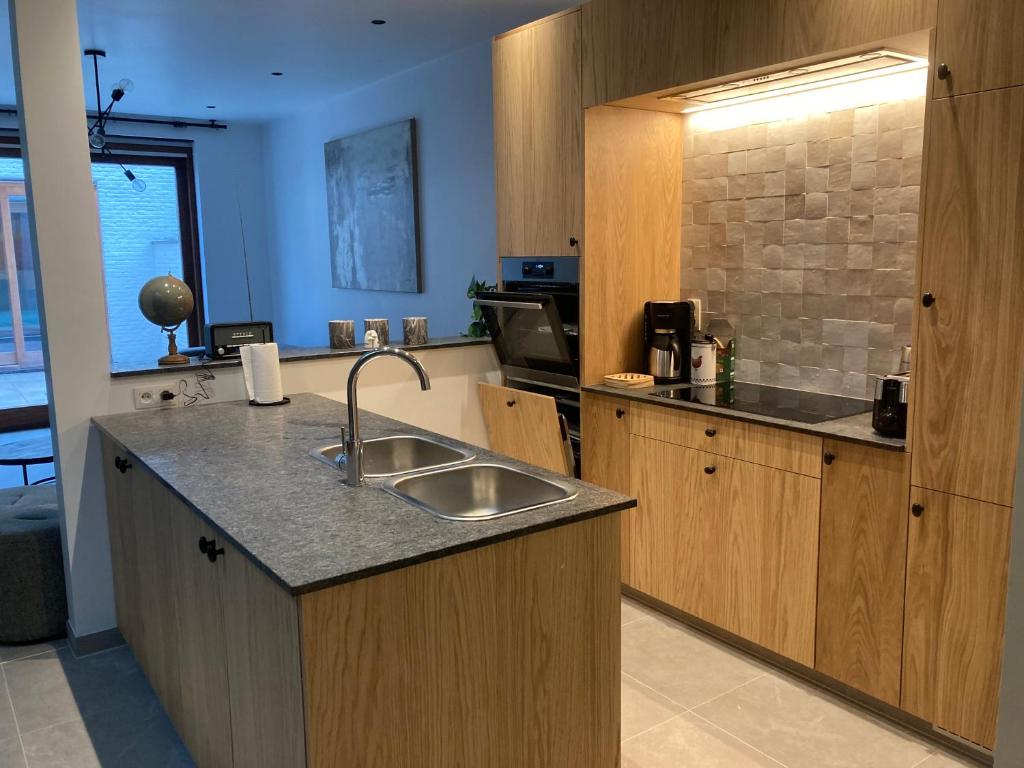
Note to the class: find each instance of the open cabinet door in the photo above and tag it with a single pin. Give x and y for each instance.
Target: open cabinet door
(527, 427)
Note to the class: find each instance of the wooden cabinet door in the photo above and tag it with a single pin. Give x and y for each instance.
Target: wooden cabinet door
(814, 27)
(195, 586)
(676, 531)
(538, 138)
(633, 47)
(955, 609)
(862, 567)
(525, 426)
(768, 554)
(969, 356)
(604, 453)
(121, 532)
(981, 45)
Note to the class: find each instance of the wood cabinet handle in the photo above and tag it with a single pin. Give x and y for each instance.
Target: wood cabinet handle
(619, 413)
(710, 431)
(942, 71)
(122, 465)
(209, 548)
(829, 457)
(510, 403)
(573, 242)
(927, 300)
(917, 509)
(709, 470)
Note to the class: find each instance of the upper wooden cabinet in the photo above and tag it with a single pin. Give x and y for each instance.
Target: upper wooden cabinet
(980, 45)
(813, 27)
(862, 567)
(955, 611)
(538, 138)
(969, 356)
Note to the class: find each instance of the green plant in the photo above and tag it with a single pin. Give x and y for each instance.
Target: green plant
(477, 328)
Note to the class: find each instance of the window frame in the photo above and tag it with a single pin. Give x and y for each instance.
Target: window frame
(177, 154)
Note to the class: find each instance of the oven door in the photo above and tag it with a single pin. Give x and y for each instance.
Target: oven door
(529, 337)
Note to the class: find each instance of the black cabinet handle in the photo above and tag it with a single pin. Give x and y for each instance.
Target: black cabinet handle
(710, 431)
(829, 457)
(122, 465)
(917, 509)
(942, 71)
(927, 300)
(573, 242)
(709, 470)
(510, 403)
(619, 413)
(209, 548)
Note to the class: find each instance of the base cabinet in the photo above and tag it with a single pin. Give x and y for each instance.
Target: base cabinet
(957, 558)
(728, 541)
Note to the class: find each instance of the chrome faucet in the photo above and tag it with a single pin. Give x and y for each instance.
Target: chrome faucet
(354, 443)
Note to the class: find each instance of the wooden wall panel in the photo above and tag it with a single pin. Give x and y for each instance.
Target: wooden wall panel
(520, 638)
(633, 227)
(957, 561)
(813, 27)
(862, 568)
(746, 34)
(969, 359)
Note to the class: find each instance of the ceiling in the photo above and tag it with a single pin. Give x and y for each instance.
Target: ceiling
(185, 54)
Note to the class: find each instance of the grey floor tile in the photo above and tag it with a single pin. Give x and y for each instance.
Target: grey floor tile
(634, 611)
(688, 741)
(8, 725)
(11, 755)
(56, 687)
(681, 664)
(12, 652)
(806, 728)
(106, 741)
(643, 708)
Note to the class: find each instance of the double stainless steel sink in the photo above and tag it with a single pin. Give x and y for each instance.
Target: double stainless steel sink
(444, 484)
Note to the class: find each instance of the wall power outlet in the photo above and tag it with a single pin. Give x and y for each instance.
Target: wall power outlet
(156, 396)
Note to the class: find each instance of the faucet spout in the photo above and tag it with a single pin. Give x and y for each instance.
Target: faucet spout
(354, 443)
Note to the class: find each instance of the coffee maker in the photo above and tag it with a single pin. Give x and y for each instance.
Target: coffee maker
(668, 328)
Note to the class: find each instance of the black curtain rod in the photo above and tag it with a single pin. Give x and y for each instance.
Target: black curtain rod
(214, 124)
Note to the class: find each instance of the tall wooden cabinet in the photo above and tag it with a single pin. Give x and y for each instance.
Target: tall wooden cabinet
(969, 357)
(605, 457)
(955, 608)
(980, 45)
(538, 138)
(862, 567)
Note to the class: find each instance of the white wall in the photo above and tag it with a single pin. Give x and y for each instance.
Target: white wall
(450, 98)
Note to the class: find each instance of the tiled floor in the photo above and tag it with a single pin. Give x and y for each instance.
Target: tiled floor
(21, 388)
(690, 701)
(686, 701)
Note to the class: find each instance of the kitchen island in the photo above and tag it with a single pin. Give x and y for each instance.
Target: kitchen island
(286, 619)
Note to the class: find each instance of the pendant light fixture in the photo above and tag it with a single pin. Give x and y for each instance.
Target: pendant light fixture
(98, 129)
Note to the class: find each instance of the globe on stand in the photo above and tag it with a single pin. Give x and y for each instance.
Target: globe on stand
(167, 302)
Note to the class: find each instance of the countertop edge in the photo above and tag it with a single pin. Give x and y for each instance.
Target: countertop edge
(816, 430)
(291, 355)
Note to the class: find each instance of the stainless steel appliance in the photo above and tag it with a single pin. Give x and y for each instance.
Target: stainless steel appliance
(889, 417)
(668, 328)
(534, 322)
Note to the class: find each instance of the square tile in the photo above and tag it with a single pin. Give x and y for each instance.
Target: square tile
(839, 176)
(817, 153)
(689, 740)
(803, 728)
(840, 123)
(816, 180)
(643, 708)
(11, 755)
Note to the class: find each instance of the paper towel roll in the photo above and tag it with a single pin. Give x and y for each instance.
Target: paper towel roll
(261, 368)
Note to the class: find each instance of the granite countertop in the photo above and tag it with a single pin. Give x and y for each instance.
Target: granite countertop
(287, 355)
(856, 428)
(247, 471)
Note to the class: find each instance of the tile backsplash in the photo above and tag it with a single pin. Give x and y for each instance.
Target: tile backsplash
(802, 233)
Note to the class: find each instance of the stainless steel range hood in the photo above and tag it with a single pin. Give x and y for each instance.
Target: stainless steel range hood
(796, 79)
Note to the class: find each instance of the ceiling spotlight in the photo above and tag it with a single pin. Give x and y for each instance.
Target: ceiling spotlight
(277, 74)
(378, 22)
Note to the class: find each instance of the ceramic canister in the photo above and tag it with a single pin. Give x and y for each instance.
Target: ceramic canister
(414, 331)
(342, 333)
(702, 362)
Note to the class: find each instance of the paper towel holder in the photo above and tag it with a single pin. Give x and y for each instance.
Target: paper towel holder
(282, 401)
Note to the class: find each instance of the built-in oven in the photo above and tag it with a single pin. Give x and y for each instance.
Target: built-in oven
(534, 322)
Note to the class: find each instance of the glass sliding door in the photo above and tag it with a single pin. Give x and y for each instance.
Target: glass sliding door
(20, 337)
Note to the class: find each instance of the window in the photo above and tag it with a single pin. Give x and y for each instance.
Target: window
(144, 234)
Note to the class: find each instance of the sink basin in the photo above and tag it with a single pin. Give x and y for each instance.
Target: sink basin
(478, 491)
(386, 456)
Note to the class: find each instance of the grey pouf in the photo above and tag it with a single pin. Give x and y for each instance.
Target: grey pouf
(33, 605)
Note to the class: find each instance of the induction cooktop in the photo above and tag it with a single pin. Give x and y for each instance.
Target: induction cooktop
(779, 403)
